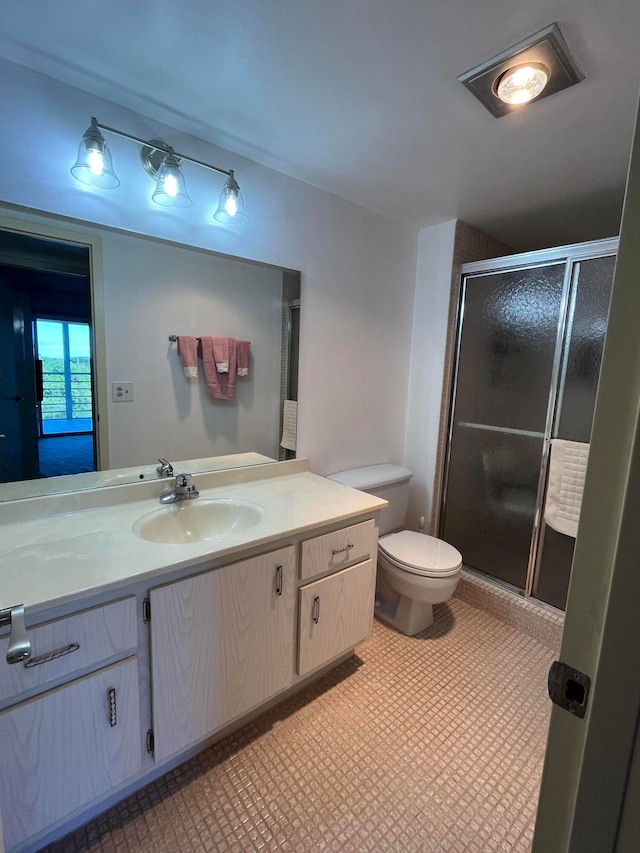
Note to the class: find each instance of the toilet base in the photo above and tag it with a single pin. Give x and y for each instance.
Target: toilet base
(407, 616)
(403, 613)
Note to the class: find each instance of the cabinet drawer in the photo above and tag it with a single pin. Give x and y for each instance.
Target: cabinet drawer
(336, 550)
(62, 750)
(99, 633)
(336, 613)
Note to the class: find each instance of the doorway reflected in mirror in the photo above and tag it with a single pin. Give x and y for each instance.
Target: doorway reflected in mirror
(46, 382)
(64, 392)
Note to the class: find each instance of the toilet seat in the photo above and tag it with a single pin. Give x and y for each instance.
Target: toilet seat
(420, 554)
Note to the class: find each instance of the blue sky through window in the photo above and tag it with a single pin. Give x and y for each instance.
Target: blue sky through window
(50, 339)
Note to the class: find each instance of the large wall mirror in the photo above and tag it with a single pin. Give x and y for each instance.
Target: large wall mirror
(92, 388)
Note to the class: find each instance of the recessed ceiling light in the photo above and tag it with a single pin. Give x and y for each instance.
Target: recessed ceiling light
(522, 83)
(534, 68)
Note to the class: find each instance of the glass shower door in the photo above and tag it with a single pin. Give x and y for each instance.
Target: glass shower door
(582, 355)
(507, 347)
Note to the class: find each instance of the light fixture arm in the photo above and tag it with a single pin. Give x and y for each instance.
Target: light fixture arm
(144, 142)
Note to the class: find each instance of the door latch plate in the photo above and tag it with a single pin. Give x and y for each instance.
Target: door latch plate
(569, 688)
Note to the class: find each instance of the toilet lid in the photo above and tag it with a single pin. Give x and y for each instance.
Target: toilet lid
(421, 554)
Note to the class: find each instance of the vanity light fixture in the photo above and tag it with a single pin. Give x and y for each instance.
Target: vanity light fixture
(230, 203)
(530, 70)
(94, 168)
(161, 163)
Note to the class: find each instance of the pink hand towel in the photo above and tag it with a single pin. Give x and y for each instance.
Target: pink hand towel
(188, 352)
(244, 350)
(205, 351)
(220, 386)
(221, 354)
(228, 381)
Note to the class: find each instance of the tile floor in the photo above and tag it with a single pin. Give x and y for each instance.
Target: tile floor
(432, 743)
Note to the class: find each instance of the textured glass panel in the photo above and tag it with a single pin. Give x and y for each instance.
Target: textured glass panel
(509, 333)
(554, 568)
(491, 500)
(587, 326)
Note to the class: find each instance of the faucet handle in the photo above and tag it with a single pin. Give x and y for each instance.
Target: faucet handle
(164, 469)
(185, 486)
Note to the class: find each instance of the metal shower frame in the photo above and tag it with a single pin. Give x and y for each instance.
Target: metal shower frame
(571, 255)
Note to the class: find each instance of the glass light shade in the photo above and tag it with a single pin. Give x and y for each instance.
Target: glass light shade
(522, 83)
(171, 189)
(230, 204)
(93, 166)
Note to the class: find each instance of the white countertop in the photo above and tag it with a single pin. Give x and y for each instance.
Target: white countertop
(59, 558)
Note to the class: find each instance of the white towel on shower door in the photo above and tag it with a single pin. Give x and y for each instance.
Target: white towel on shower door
(567, 469)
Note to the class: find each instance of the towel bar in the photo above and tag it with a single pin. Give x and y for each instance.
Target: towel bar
(174, 338)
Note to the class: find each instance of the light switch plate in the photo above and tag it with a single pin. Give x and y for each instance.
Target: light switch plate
(121, 392)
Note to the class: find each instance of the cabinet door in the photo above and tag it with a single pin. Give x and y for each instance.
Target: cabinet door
(336, 613)
(221, 643)
(67, 747)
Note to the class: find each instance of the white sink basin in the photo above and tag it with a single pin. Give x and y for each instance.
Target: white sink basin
(198, 520)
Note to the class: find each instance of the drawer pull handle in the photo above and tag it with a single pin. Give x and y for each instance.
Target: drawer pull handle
(340, 550)
(113, 716)
(52, 655)
(316, 609)
(279, 580)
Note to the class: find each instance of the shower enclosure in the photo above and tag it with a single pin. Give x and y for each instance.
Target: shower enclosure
(530, 334)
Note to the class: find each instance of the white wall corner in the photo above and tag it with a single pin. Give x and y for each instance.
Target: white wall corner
(428, 340)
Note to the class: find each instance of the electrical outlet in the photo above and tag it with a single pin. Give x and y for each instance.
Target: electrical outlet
(121, 392)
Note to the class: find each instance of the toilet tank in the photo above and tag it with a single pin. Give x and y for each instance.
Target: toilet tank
(390, 482)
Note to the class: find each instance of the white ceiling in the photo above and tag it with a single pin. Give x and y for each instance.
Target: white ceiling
(360, 97)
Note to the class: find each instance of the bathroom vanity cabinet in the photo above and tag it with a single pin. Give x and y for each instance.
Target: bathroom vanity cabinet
(69, 745)
(122, 686)
(225, 641)
(329, 623)
(221, 644)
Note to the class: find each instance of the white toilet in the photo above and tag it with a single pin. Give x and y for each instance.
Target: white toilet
(415, 571)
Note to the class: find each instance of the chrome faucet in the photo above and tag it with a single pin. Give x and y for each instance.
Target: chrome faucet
(184, 490)
(164, 469)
